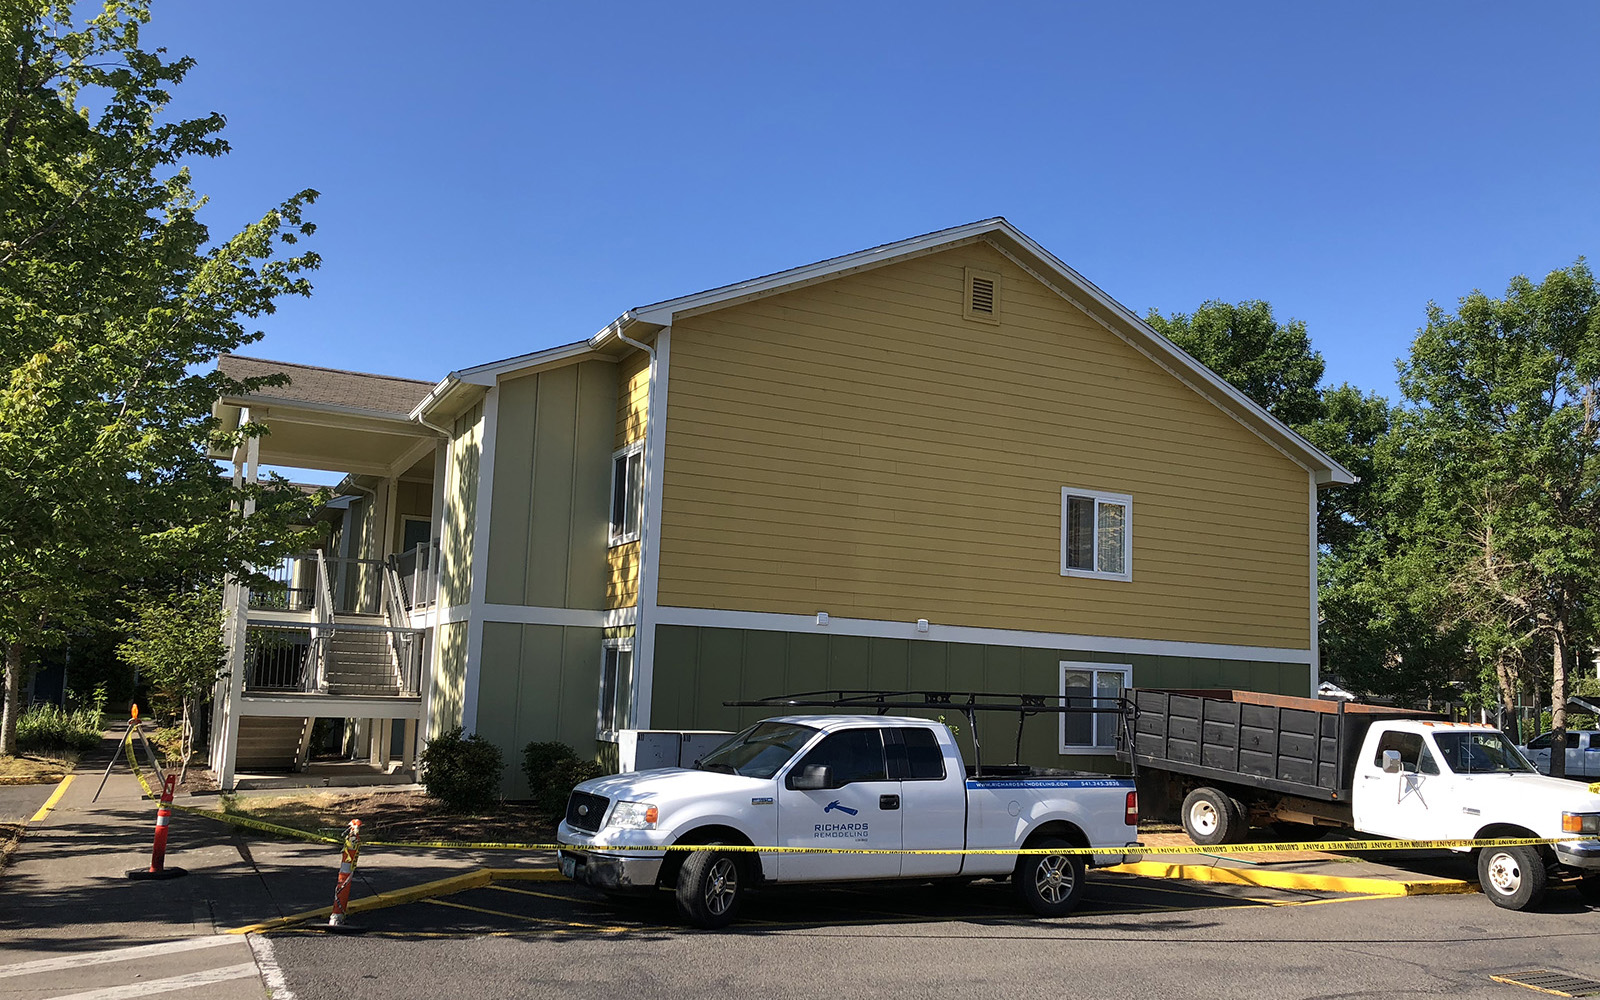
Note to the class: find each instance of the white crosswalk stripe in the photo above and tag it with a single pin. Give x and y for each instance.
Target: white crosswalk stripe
(79, 959)
(184, 982)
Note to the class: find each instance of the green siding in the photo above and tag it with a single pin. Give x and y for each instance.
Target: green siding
(461, 509)
(551, 481)
(537, 682)
(697, 669)
(450, 678)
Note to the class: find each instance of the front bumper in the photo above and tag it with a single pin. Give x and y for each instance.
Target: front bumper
(1579, 854)
(609, 872)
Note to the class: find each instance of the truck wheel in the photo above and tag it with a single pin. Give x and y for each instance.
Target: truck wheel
(1512, 877)
(710, 888)
(1211, 817)
(1049, 884)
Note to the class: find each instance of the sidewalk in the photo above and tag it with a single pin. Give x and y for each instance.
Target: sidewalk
(67, 890)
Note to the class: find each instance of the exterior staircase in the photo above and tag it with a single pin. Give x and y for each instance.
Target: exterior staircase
(361, 662)
(270, 743)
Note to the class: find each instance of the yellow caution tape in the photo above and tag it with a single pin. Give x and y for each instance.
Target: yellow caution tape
(1218, 850)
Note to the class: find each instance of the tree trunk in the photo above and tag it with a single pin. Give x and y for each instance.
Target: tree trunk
(1558, 707)
(8, 721)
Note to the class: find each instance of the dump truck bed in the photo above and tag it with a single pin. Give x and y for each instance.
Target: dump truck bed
(1297, 746)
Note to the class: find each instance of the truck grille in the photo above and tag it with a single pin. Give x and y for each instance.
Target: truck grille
(585, 811)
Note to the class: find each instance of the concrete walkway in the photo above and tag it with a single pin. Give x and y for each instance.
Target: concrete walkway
(72, 922)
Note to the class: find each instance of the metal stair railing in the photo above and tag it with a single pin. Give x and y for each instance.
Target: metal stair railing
(322, 632)
(404, 641)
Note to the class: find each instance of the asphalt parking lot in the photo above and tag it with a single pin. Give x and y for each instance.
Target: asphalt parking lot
(1133, 937)
(547, 904)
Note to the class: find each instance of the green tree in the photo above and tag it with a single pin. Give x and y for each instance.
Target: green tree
(1273, 363)
(175, 642)
(1498, 472)
(112, 295)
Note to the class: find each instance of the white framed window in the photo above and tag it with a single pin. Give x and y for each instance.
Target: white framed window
(616, 688)
(627, 492)
(1092, 685)
(1096, 534)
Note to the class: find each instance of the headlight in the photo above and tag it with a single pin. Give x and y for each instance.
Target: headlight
(634, 816)
(1580, 822)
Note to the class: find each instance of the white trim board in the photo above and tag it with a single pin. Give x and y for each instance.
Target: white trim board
(655, 451)
(878, 629)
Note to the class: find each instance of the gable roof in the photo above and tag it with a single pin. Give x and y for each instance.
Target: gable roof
(644, 321)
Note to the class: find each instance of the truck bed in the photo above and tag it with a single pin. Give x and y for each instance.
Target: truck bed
(1297, 746)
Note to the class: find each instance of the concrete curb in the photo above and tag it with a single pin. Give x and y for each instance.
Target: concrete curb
(1297, 880)
(399, 897)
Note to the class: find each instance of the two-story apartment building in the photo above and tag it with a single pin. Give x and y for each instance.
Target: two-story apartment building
(948, 463)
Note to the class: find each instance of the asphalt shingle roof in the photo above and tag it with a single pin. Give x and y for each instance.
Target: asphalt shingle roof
(310, 384)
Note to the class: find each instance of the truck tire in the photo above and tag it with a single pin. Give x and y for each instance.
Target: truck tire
(1049, 885)
(1212, 817)
(710, 888)
(1512, 877)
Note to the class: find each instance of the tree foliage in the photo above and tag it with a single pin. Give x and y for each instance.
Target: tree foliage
(1273, 363)
(1496, 470)
(112, 295)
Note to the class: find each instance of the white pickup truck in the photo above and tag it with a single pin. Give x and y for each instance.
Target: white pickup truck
(842, 781)
(1583, 753)
(1237, 758)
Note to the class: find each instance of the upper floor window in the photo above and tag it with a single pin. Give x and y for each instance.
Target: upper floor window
(627, 490)
(1096, 534)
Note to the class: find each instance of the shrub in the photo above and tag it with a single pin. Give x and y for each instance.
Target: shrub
(553, 769)
(45, 728)
(463, 772)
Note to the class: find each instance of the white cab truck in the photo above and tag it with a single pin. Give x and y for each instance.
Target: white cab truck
(1583, 753)
(842, 781)
(1238, 758)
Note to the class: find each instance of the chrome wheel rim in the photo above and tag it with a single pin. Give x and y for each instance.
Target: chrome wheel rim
(1505, 874)
(722, 885)
(1053, 878)
(1203, 817)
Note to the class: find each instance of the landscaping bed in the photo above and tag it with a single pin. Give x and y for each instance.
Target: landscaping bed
(396, 815)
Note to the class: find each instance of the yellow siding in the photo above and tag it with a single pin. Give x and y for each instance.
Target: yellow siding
(633, 403)
(633, 398)
(461, 505)
(857, 447)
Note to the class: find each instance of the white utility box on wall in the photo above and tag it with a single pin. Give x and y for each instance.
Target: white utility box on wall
(645, 749)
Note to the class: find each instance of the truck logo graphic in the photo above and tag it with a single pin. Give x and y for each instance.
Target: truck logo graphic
(831, 806)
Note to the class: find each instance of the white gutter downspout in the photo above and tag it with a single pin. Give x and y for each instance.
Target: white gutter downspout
(644, 616)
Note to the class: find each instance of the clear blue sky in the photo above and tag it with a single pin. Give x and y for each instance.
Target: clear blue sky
(514, 179)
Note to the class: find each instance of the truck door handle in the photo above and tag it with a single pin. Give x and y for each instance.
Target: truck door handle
(888, 802)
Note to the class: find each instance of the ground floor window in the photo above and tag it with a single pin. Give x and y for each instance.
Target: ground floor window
(616, 687)
(1091, 685)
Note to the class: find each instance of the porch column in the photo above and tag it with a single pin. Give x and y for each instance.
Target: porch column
(240, 613)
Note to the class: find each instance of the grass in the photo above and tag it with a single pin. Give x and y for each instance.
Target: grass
(52, 729)
(396, 815)
(36, 768)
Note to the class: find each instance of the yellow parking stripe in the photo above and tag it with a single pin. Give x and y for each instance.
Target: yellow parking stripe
(531, 920)
(50, 803)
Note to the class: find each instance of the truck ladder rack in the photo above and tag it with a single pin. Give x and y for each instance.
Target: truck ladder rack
(968, 703)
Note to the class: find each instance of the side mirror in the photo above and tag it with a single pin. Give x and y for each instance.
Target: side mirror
(1391, 762)
(812, 778)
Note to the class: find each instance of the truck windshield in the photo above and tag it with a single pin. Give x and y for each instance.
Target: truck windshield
(1480, 753)
(758, 752)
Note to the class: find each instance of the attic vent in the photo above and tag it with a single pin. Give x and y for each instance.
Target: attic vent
(983, 296)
